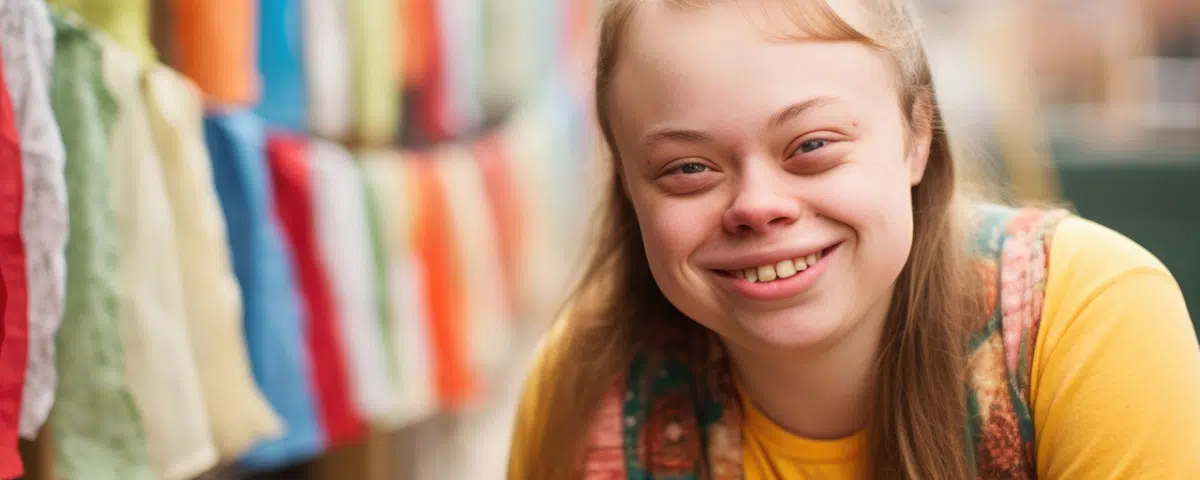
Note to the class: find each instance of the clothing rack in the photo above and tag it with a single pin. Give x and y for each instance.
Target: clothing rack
(253, 286)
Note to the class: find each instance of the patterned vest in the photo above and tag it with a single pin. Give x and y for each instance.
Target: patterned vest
(656, 423)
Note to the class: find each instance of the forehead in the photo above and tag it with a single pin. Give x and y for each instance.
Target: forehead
(728, 62)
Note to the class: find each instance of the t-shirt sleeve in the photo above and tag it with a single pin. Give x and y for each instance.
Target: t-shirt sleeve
(1115, 386)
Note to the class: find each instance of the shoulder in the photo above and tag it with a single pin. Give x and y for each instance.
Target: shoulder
(1115, 332)
(1100, 282)
(1064, 254)
(1092, 267)
(1087, 256)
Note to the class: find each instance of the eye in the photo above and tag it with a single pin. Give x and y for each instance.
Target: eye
(688, 176)
(811, 145)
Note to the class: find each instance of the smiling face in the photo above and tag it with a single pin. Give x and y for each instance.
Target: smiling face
(771, 179)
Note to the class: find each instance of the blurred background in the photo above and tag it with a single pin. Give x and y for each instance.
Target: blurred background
(469, 122)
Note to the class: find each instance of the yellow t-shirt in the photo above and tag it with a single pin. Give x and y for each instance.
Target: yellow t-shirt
(1115, 386)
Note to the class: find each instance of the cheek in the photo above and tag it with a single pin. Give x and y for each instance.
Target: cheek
(875, 202)
(672, 229)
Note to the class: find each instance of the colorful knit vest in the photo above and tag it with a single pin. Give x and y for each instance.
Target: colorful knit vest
(657, 424)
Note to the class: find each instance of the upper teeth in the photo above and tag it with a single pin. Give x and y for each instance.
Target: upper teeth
(784, 269)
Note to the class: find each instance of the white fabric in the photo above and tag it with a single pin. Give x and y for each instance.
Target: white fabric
(461, 40)
(510, 47)
(527, 141)
(327, 66)
(345, 248)
(417, 399)
(158, 353)
(238, 413)
(28, 38)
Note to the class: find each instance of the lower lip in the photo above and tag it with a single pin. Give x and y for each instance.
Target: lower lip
(780, 289)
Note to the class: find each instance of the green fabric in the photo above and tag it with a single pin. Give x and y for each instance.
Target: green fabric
(379, 256)
(96, 428)
(126, 21)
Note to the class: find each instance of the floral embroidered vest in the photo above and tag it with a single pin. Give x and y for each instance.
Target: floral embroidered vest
(658, 423)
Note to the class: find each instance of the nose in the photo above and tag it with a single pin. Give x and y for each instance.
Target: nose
(761, 203)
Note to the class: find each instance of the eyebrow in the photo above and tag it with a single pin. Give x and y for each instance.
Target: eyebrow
(696, 136)
(792, 111)
(675, 134)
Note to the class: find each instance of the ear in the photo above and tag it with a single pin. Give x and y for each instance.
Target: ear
(920, 140)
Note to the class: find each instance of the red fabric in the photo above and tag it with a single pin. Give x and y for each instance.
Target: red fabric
(291, 182)
(456, 381)
(14, 330)
(497, 177)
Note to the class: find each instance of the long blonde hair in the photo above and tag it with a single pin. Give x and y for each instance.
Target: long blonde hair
(918, 423)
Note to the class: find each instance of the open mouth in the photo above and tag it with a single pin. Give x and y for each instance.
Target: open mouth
(781, 270)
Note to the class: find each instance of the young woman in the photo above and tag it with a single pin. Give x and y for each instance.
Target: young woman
(789, 284)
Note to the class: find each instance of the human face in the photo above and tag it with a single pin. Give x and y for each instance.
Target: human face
(740, 152)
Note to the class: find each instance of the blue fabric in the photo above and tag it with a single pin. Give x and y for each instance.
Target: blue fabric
(281, 64)
(271, 302)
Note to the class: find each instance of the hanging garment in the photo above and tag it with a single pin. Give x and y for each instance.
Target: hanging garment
(487, 323)
(28, 39)
(327, 65)
(378, 213)
(375, 213)
(292, 184)
(373, 41)
(399, 65)
(344, 244)
(507, 44)
(274, 321)
(424, 68)
(567, 122)
(90, 357)
(158, 353)
(14, 329)
(125, 21)
(416, 24)
(434, 239)
(405, 295)
(547, 47)
(527, 142)
(461, 40)
(284, 97)
(497, 176)
(238, 414)
(216, 46)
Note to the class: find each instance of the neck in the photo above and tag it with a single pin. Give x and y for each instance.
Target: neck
(822, 393)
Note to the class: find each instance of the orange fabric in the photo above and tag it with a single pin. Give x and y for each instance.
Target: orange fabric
(216, 46)
(418, 27)
(456, 382)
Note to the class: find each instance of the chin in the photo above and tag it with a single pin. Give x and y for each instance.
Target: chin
(787, 330)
